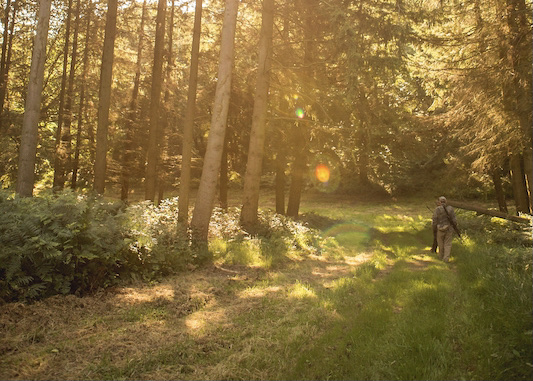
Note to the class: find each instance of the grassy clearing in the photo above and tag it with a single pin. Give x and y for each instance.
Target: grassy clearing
(365, 299)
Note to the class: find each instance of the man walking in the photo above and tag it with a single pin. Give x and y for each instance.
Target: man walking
(444, 222)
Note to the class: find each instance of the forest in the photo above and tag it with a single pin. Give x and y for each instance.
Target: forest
(156, 144)
(391, 96)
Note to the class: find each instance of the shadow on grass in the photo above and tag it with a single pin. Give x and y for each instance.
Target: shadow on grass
(423, 319)
(392, 327)
(318, 221)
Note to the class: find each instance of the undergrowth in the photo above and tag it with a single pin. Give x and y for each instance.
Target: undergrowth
(70, 243)
(275, 239)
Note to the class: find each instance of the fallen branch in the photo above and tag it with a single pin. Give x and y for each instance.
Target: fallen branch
(494, 213)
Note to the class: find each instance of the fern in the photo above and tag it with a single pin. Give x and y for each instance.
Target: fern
(34, 291)
(13, 267)
(22, 281)
(65, 242)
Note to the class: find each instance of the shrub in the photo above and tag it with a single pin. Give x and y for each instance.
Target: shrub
(274, 238)
(68, 243)
(156, 239)
(58, 244)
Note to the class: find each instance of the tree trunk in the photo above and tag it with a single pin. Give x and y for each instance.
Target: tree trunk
(188, 125)
(302, 136)
(28, 144)
(5, 40)
(5, 63)
(60, 157)
(128, 155)
(528, 169)
(223, 186)
(498, 189)
(520, 64)
(488, 212)
(281, 154)
(66, 138)
(281, 163)
(163, 141)
(152, 155)
(519, 184)
(81, 108)
(215, 143)
(363, 157)
(106, 76)
(252, 177)
(298, 170)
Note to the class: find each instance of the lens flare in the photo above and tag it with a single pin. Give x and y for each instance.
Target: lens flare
(300, 113)
(322, 173)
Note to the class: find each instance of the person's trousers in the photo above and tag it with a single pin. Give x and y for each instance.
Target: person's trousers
(444, 240)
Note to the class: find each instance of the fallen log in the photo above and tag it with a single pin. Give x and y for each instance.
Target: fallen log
(494, 213)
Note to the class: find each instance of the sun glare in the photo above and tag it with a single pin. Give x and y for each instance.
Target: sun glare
(322, 173)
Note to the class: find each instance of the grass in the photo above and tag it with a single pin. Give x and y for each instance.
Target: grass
(364, 299)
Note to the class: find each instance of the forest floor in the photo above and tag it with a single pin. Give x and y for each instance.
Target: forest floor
(374, 304)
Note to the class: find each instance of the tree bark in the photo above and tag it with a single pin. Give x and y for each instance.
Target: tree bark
(66, 138)
(215, 143)
(298, 170)
(106, 76)
(188, 125)
(60, 157)
(153, 155)
(7, 46)
(252, 177)
(498, 189)
(223, 186)
(519, 184)
(81, 108)
(28, 145)
(281, 163)
(128, 155)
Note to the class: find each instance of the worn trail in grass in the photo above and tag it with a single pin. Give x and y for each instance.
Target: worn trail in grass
(372, 303)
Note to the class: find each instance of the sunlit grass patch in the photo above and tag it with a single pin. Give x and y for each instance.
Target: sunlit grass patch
(144, 313)
(382, 325)
(301, 291)
(276, 240)
(259, 291)
(387, 223)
